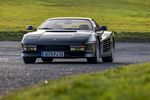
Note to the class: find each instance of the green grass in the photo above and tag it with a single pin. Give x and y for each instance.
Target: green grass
(130, 82)
(129, 16)
(132, 36)
(11, 35)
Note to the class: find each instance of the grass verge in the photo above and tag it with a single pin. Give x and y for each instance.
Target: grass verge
(131, 82)
(11, 35)
(129, 16)
(132, 36)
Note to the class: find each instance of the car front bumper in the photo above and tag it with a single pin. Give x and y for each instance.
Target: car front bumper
(66, 54)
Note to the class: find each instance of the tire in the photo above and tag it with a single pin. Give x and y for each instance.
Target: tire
(29, 60)
(91, 60)
(95, 59)
(107, 59)
(47, 60)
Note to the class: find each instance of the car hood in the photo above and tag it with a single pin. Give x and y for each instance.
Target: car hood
(57, 37)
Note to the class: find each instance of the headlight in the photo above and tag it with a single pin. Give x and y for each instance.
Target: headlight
(90, 47)
(29, 47)
(77, 48)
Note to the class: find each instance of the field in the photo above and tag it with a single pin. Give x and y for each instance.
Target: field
(126, 17)
(130, 82)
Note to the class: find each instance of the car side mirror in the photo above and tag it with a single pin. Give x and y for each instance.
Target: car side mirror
(103, 28)
(29, 27)
(98, 29)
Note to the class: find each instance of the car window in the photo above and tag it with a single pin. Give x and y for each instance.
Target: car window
(95, 24)
(67, 24)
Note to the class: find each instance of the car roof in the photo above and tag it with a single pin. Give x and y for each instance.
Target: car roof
(71, 18)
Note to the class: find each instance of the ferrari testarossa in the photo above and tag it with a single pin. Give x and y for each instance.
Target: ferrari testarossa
(68, 37)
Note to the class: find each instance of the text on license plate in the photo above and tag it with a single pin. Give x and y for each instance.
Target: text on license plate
(52, 54)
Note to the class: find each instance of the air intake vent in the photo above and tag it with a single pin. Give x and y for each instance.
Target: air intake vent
(106, 45)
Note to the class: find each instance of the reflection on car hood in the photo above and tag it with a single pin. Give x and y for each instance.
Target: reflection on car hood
(58, 37)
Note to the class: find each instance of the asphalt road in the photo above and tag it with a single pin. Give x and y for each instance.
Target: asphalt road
(15, 74)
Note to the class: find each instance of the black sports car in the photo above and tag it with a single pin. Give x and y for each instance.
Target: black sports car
(68, 37)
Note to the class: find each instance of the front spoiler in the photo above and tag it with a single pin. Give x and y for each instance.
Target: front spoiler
(67, 54)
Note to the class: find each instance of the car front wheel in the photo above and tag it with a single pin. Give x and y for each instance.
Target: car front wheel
(95, 59)
(107, 59)
(29, 60)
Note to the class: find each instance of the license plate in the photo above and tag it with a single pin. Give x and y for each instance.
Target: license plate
(52, 54)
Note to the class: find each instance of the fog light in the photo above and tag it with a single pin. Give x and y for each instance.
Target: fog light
(77, 48)
(29, 48)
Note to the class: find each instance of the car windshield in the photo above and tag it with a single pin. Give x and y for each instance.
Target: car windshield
(67, 24)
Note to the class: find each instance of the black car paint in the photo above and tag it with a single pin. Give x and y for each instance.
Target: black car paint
(59, 38)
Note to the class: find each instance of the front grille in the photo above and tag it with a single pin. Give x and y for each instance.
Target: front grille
(53, 47)
(106, 45)
(75, 54)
